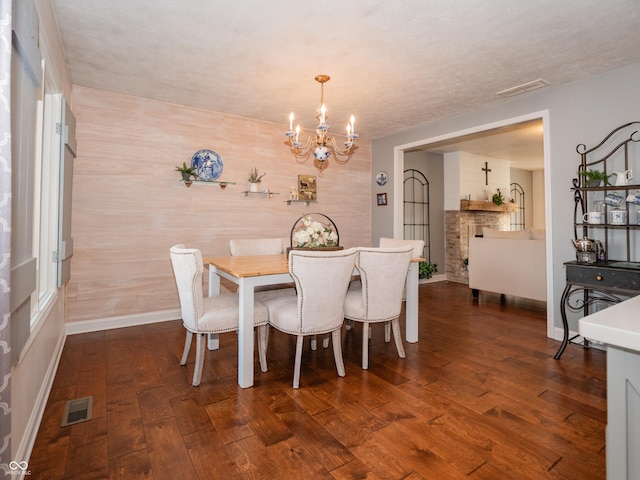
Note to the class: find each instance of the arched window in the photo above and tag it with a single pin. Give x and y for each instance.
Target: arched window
(416, 209)
(517, 218)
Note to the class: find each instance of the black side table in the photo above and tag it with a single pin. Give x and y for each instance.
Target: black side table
(589, 283)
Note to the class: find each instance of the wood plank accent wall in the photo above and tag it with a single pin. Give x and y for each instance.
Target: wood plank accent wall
(129, 206)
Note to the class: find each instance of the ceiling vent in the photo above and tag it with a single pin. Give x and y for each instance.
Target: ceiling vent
(524, 88)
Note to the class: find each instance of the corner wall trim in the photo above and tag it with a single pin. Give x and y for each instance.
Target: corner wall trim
(86, 326)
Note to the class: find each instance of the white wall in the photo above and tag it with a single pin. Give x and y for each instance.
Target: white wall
(473, 180)
(580, 112)
(539, 217)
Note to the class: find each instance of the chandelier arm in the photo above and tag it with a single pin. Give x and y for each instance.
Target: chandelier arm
(344, 152)
(305, 150)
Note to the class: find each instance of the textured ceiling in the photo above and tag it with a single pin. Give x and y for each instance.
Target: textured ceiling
(393, 64)
(520, 144)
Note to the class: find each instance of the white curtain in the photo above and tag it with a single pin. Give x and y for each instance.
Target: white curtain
(5, 235)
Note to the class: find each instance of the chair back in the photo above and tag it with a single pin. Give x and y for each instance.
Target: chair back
(321, 279)
(187, 270)
(383, 272)
(418, 245)
(257, 246)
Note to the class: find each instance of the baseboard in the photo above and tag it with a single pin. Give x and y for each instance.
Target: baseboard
(86, 326)
(33, 425)
(434, 278)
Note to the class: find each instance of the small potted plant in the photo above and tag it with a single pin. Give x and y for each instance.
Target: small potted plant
(593, 178)
(497, 198)
(187, 173)
(427, 269)
(254, 179)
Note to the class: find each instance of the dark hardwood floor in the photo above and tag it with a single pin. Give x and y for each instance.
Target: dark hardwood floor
(479, 397)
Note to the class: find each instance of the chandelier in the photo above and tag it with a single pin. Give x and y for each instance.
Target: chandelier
(321, 144)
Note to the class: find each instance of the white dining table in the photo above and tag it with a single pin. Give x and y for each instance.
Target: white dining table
(249, 272)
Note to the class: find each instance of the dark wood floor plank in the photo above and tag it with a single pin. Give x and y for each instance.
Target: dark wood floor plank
(297, 461)
(210, 457)
(318, 441)
(412, 450)
(257, 403)
(154, 405)
(168, 454)
(380, 461)
(478, 397)
(190, 415)
(354, 469)
(89, 461)
(131, 466)
(124, 422)
(231, 422)
(282, 460)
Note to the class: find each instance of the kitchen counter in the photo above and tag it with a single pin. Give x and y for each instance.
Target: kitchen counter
(619, 327)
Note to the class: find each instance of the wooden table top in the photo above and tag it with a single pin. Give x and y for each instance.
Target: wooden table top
(255, 266)
(250, 266)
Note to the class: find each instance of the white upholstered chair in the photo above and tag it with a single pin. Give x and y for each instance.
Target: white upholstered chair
(321, 280)
(378, 296)
(257, 246)
(204, 315)
(418, 245)
(418, 252)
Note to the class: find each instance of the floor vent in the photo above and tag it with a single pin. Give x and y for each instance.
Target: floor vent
(76, 411)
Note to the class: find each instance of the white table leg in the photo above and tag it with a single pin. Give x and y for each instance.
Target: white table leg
(411, 305)
(245, 334)
(213, 342)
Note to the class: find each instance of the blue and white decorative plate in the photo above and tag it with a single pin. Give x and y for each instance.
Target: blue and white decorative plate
(208, 164)
(382, 178)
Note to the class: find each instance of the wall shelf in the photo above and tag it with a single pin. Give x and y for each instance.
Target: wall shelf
(264, 192)
(306, 202)
(478, 205)
(220, 183)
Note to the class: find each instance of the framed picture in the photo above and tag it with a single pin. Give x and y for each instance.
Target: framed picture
(307, 187)
(382, 199)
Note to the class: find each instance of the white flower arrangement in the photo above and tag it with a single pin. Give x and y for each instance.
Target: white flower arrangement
(314, 234)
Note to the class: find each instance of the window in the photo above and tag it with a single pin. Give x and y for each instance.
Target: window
(46, 186)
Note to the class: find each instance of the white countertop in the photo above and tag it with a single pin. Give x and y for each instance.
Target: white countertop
(618, 325)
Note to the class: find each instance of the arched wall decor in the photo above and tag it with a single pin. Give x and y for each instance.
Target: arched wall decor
(416, 209)
(517, 218)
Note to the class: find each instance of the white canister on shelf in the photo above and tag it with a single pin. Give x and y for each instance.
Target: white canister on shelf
(617, 217)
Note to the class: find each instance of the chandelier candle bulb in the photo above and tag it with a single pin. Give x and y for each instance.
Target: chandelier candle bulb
(297, 132)
(291, 122)
(353, 127)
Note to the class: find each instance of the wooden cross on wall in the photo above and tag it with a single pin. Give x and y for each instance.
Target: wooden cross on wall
(486, 171)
